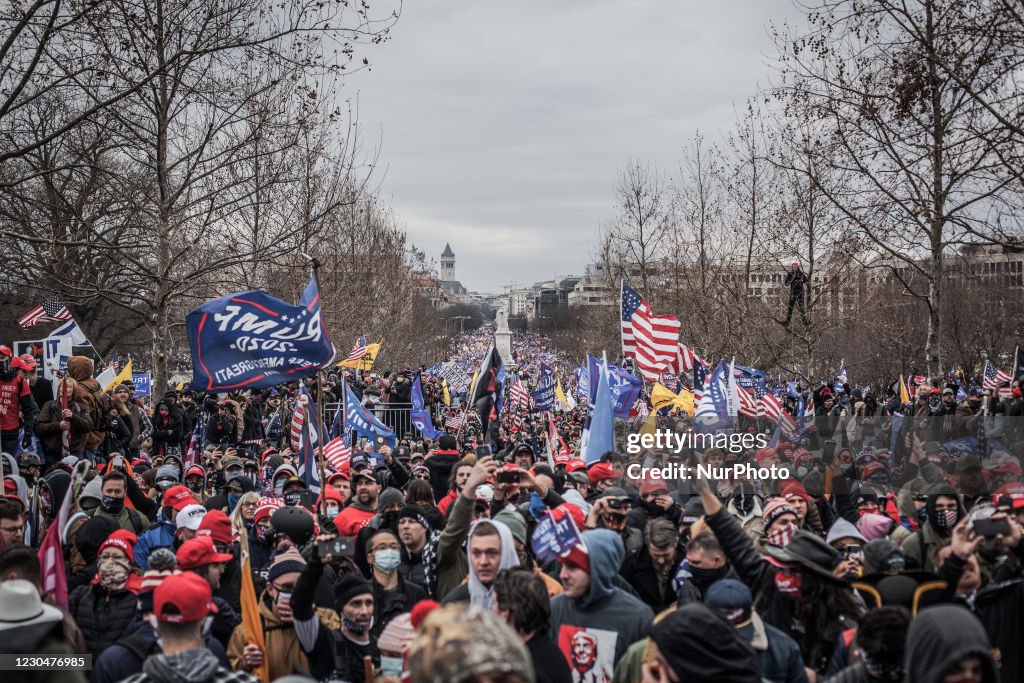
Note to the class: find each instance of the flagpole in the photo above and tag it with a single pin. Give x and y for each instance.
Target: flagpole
(315, 264)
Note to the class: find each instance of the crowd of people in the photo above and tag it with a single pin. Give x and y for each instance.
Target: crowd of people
(893, 551)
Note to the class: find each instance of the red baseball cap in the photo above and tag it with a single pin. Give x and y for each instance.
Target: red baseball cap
(178, 497)
(562, 458)
(183, 598)
(28, 361)
(575, 464)
(602, 471)
(652, 485)
(199, 552)
(217, 526)
(195, 470)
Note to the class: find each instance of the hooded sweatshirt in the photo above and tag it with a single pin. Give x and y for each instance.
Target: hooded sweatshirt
(942, 636)
(474, 591)
(606, 620)
(843, 529)
(188, 666)
(919, 544)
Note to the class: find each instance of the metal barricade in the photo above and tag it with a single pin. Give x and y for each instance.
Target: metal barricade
(394, 415)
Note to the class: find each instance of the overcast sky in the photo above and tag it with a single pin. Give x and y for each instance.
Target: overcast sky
(502, 126)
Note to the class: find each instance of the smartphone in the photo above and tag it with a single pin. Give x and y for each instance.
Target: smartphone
(339, 547)
(508, 477)
(990, 528)
(379, 441)
(828, 452)
(483, 451)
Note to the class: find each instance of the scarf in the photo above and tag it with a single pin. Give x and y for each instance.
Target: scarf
(429, 560)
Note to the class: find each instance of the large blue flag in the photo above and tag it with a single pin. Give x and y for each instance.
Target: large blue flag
(623, 386)
(602, 427)
(419, 416)
(252, 340)
(712, 413)
(544, 395)
(749, 378)
(363, 422)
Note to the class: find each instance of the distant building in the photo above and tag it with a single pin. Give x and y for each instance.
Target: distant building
(454, 290)
(592, 289)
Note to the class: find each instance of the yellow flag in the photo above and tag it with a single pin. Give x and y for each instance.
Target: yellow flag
(662, 396)
(124, 376)
(447, 394)
(904, 394)
(366, 362)
(251, 623)
(560, 394)
(472, 385)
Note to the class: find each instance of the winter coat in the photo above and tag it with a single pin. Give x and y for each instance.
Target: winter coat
(96, 402)
(621, 617)
(166, 430)
(389, 604)
(189, 666)
(159, 535)
(102, 615)
(49, 432)
(639, 571)
(452, 566)
(283, 654)
(919, 545)
(125, 657)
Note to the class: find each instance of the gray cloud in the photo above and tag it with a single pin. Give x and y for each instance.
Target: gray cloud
(504, 125)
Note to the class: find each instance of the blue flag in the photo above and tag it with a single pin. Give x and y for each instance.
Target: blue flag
(419, 416)
(624, 387)
(251, 340)
(602, 428)
(364, 423)
(749, 378)
(544, 395)
(776, 435)
(712, 413)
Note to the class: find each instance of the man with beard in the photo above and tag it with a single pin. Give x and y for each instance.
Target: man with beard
(651, 570)
(610, 511)
(364, 504)
(335, 654)
(112, 494)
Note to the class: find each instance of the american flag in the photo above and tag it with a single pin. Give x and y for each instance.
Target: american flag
(684, 360)
(51, 310)
(748, 404)
(299, 417)
(994, 377)
(653, 340)
(359, 350)
(519, 396)
(700, 378)
(454, 422)
(770, 406)
(338, 451)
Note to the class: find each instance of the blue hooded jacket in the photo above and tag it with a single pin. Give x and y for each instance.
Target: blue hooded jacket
(605, 608)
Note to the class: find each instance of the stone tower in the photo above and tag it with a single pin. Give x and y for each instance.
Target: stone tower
(447, 263)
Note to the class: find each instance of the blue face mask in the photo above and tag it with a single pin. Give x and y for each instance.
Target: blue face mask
(922, 515)
(233, 499)
(537, 506)
(387, 560)
(390, 666)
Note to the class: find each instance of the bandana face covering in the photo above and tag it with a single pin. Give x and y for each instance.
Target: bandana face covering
(113, 573)
(781, 534)
(946, 519)
(357, 628)
(111, 505)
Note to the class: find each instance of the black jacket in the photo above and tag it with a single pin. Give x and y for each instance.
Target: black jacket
(548, 662)
(166, 430)
(638, 569)
(102, 615)
(389, 604)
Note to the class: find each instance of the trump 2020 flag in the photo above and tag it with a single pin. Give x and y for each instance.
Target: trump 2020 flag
(623, 387)
(419, 416)
(544, 395)
(363, 422)
(252, 340)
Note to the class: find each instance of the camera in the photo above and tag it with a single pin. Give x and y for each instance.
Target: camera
(508, 477)
(617, 504)
(483, 451)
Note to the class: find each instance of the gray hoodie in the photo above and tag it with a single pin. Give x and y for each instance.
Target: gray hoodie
(942, 636)
(612, 618)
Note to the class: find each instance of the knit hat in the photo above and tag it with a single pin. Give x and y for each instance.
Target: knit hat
(884, 556)
(165, 472)
(701, 645)
(415, 512)
(421, 610)
(397, 636)
(794, 488)
(515, 523)
(123, 540)
(388, 497)
(216, 525)
(775, 508)
(288, 561)
(348, 586)
(844, 529)
(190, 517)
(462, 642)
(265, 507)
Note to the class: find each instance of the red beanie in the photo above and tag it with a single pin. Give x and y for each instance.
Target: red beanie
(795, 488)
(123, 540)
(420, 611)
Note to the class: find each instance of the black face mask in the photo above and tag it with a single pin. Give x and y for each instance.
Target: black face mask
(651, 508)
(111, 505)
(744, 502)
(195, 485)
(705, 577)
